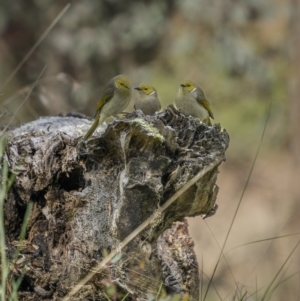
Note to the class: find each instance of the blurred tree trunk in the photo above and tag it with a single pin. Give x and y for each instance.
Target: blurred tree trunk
(89, 196)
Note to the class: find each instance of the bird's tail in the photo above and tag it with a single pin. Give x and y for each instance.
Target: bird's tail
(92, 128)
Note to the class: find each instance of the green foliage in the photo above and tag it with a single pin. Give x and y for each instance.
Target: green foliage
(3, 192)
(5, 184)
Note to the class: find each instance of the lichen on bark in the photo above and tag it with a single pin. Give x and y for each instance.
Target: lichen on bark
(88, 196)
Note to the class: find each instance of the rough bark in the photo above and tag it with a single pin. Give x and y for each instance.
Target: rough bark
(89, 196)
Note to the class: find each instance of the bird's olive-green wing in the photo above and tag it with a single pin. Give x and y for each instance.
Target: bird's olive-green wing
(202, 100)
(107, 94)
(206, 105)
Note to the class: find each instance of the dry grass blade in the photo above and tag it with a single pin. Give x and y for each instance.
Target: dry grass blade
(227, 263)
(33, 48)
(60, 77)
(125, 297)
(29, 92)
(254, 294)
(264, 297)
(240, 200)
(158, 292)
(140, 228)
(262, 240)
(284, 280)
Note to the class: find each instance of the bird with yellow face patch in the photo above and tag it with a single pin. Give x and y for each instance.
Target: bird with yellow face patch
(114, 99)
(147, 100)
(191, 100)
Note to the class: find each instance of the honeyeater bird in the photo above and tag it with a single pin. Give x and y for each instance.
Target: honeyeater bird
(191, 100)
(147, 100)
(114, 99)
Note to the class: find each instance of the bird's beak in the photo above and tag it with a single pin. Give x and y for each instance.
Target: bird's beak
(182, 85)
(138, 88)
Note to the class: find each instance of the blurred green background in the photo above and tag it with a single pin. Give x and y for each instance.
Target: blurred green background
(244, 54)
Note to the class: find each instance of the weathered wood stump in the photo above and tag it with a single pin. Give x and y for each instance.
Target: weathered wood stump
(89, 196)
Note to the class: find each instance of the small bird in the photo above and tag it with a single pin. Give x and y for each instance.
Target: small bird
(191, 100)
(114, 99)
(147, 100)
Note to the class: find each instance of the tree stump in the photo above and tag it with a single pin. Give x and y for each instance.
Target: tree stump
(88, 196)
